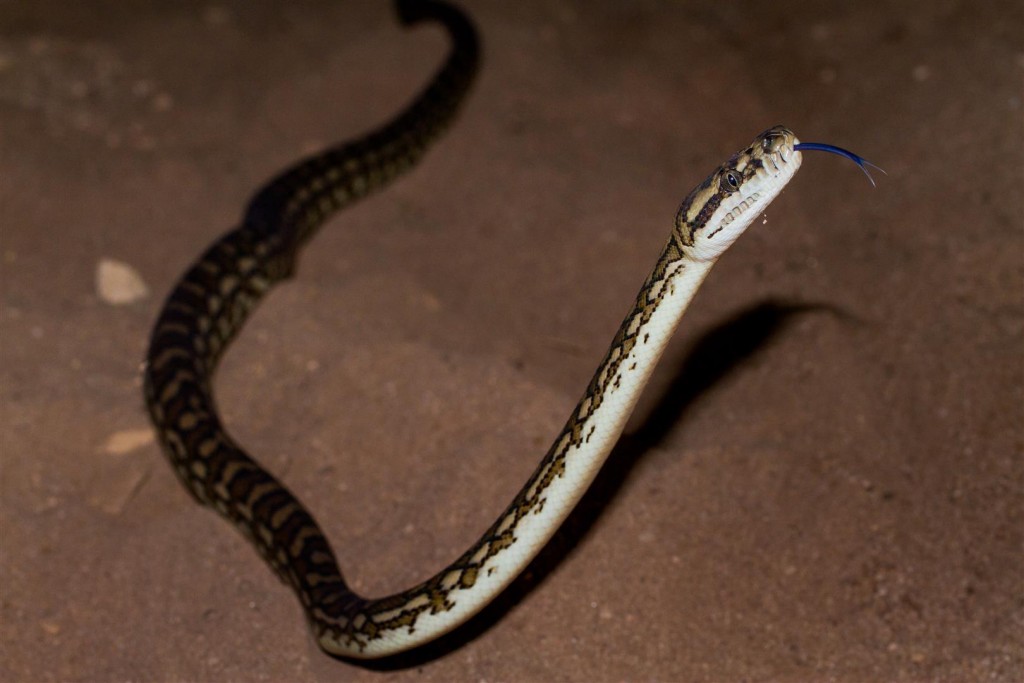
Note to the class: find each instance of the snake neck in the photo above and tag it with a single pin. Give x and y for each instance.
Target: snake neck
(352, 626)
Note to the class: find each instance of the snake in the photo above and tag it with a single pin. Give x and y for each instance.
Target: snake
(208, 306)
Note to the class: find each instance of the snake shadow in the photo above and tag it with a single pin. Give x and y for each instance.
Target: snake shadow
(711, 358)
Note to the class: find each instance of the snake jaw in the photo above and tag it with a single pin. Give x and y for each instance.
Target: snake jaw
(726, 203)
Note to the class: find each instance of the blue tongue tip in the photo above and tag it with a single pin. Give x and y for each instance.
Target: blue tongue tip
(861, 162)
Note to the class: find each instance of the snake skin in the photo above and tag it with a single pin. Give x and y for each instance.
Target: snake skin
(211, 302)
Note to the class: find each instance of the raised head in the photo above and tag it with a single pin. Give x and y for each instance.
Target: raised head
(718, 211)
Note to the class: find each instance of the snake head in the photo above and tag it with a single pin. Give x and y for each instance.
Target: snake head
(717, 212)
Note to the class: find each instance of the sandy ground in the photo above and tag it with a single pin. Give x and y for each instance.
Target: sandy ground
(824, 481)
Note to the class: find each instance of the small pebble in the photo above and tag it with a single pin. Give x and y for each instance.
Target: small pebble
(128, 440)
(117, 283)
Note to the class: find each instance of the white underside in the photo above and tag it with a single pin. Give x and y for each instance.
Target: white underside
(581, 466)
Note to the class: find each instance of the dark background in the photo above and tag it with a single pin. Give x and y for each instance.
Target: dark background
(823, 483)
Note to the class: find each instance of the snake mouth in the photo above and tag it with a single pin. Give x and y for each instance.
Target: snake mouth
(785, 155)
(778, 142)
(784, 161)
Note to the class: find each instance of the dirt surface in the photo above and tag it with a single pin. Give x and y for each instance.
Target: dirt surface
(824, 481)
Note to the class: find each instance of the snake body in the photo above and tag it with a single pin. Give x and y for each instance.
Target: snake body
(210, 303)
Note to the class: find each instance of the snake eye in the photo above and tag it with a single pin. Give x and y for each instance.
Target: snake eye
(730, 181)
